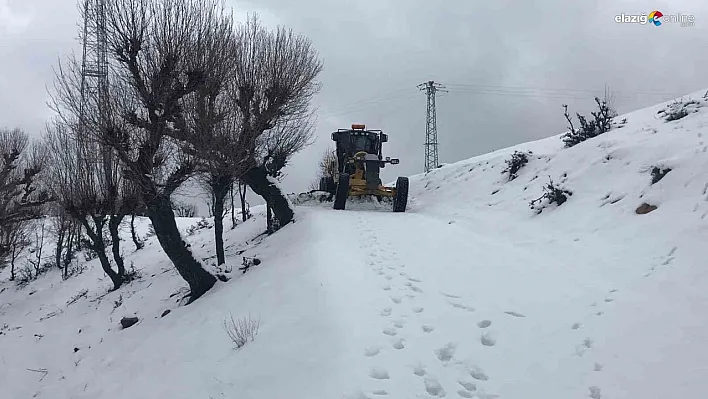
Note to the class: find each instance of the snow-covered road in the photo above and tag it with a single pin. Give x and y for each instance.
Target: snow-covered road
(433, 308)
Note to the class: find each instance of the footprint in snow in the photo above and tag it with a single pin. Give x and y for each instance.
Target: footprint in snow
(389, 277)
(419, 370)
(461, 306)
(379, 374)
(390, 331)
(451, 296)
(595, 393)
(386, 312)
(372, 351)
(417, 310)
(379, 392)
(478, 374)
(386, 288)
(433, 387)
(515, 314)
(415, 280)
(469, 386)
(396, 299)
(428, 329)
(398, 343)
(446, 353)
(575, 326)
(484, 324)
(357, 395)
(487, 340)
(409, 284)
(416, 289)
(398, 323)
(465, 394)
(482, 395)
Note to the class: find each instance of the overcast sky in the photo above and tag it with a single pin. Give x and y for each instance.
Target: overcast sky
(509, 66)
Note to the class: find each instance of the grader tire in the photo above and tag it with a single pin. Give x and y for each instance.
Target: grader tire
(401, 199)
(342, 192)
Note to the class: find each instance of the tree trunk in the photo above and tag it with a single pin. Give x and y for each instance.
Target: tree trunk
(113, 225)
(219, 190)
(242, 197)
(269, 218)
(233, 209)
(99, 246)
(138, 244)
(163, 221)
(258, 181)
(68, 255)
(60, 245)
(13, 258)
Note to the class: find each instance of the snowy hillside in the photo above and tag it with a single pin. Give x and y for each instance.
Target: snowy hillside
(469, 294)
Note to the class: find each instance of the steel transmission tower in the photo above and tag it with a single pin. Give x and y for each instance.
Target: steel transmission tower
(94, 66)
(431, 129)
(94, 81)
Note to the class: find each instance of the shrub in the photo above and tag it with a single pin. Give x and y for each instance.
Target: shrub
(202, 224)
(184, 210)
(658, 174)
(601, 123)
(552, 194)
(241, 331)
(517, 161)
(678, 110)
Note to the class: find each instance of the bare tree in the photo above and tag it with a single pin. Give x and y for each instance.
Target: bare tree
(80, 189)
(326, 168)
(223, 159)
(63, 227)
(161, 57)
(275, 81)
(38, 250)
(184, 210)
(328, 163)
(278, 145)
(22, 196)
(245, 209)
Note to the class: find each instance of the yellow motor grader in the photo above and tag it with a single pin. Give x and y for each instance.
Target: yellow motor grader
(359, 162)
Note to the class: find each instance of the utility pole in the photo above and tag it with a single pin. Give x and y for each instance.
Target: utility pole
(431, 129)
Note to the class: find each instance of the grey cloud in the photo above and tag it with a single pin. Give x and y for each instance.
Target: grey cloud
(376, 52)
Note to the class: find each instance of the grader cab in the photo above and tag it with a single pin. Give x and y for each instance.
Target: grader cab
(359, 164)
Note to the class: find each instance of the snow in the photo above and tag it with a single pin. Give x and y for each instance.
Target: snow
(469, 294)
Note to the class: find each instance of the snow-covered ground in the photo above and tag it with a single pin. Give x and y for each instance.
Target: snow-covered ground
(469, 294)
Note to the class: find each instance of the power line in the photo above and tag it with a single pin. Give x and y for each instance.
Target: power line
(466, 86)
(431, 129)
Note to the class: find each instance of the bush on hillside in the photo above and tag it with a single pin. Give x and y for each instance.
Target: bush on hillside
(202, 224)
(678, 110)
(517, 161)
(552, 194)
(184, 210)
(601, 123)
(241, 331)
(658, 173)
